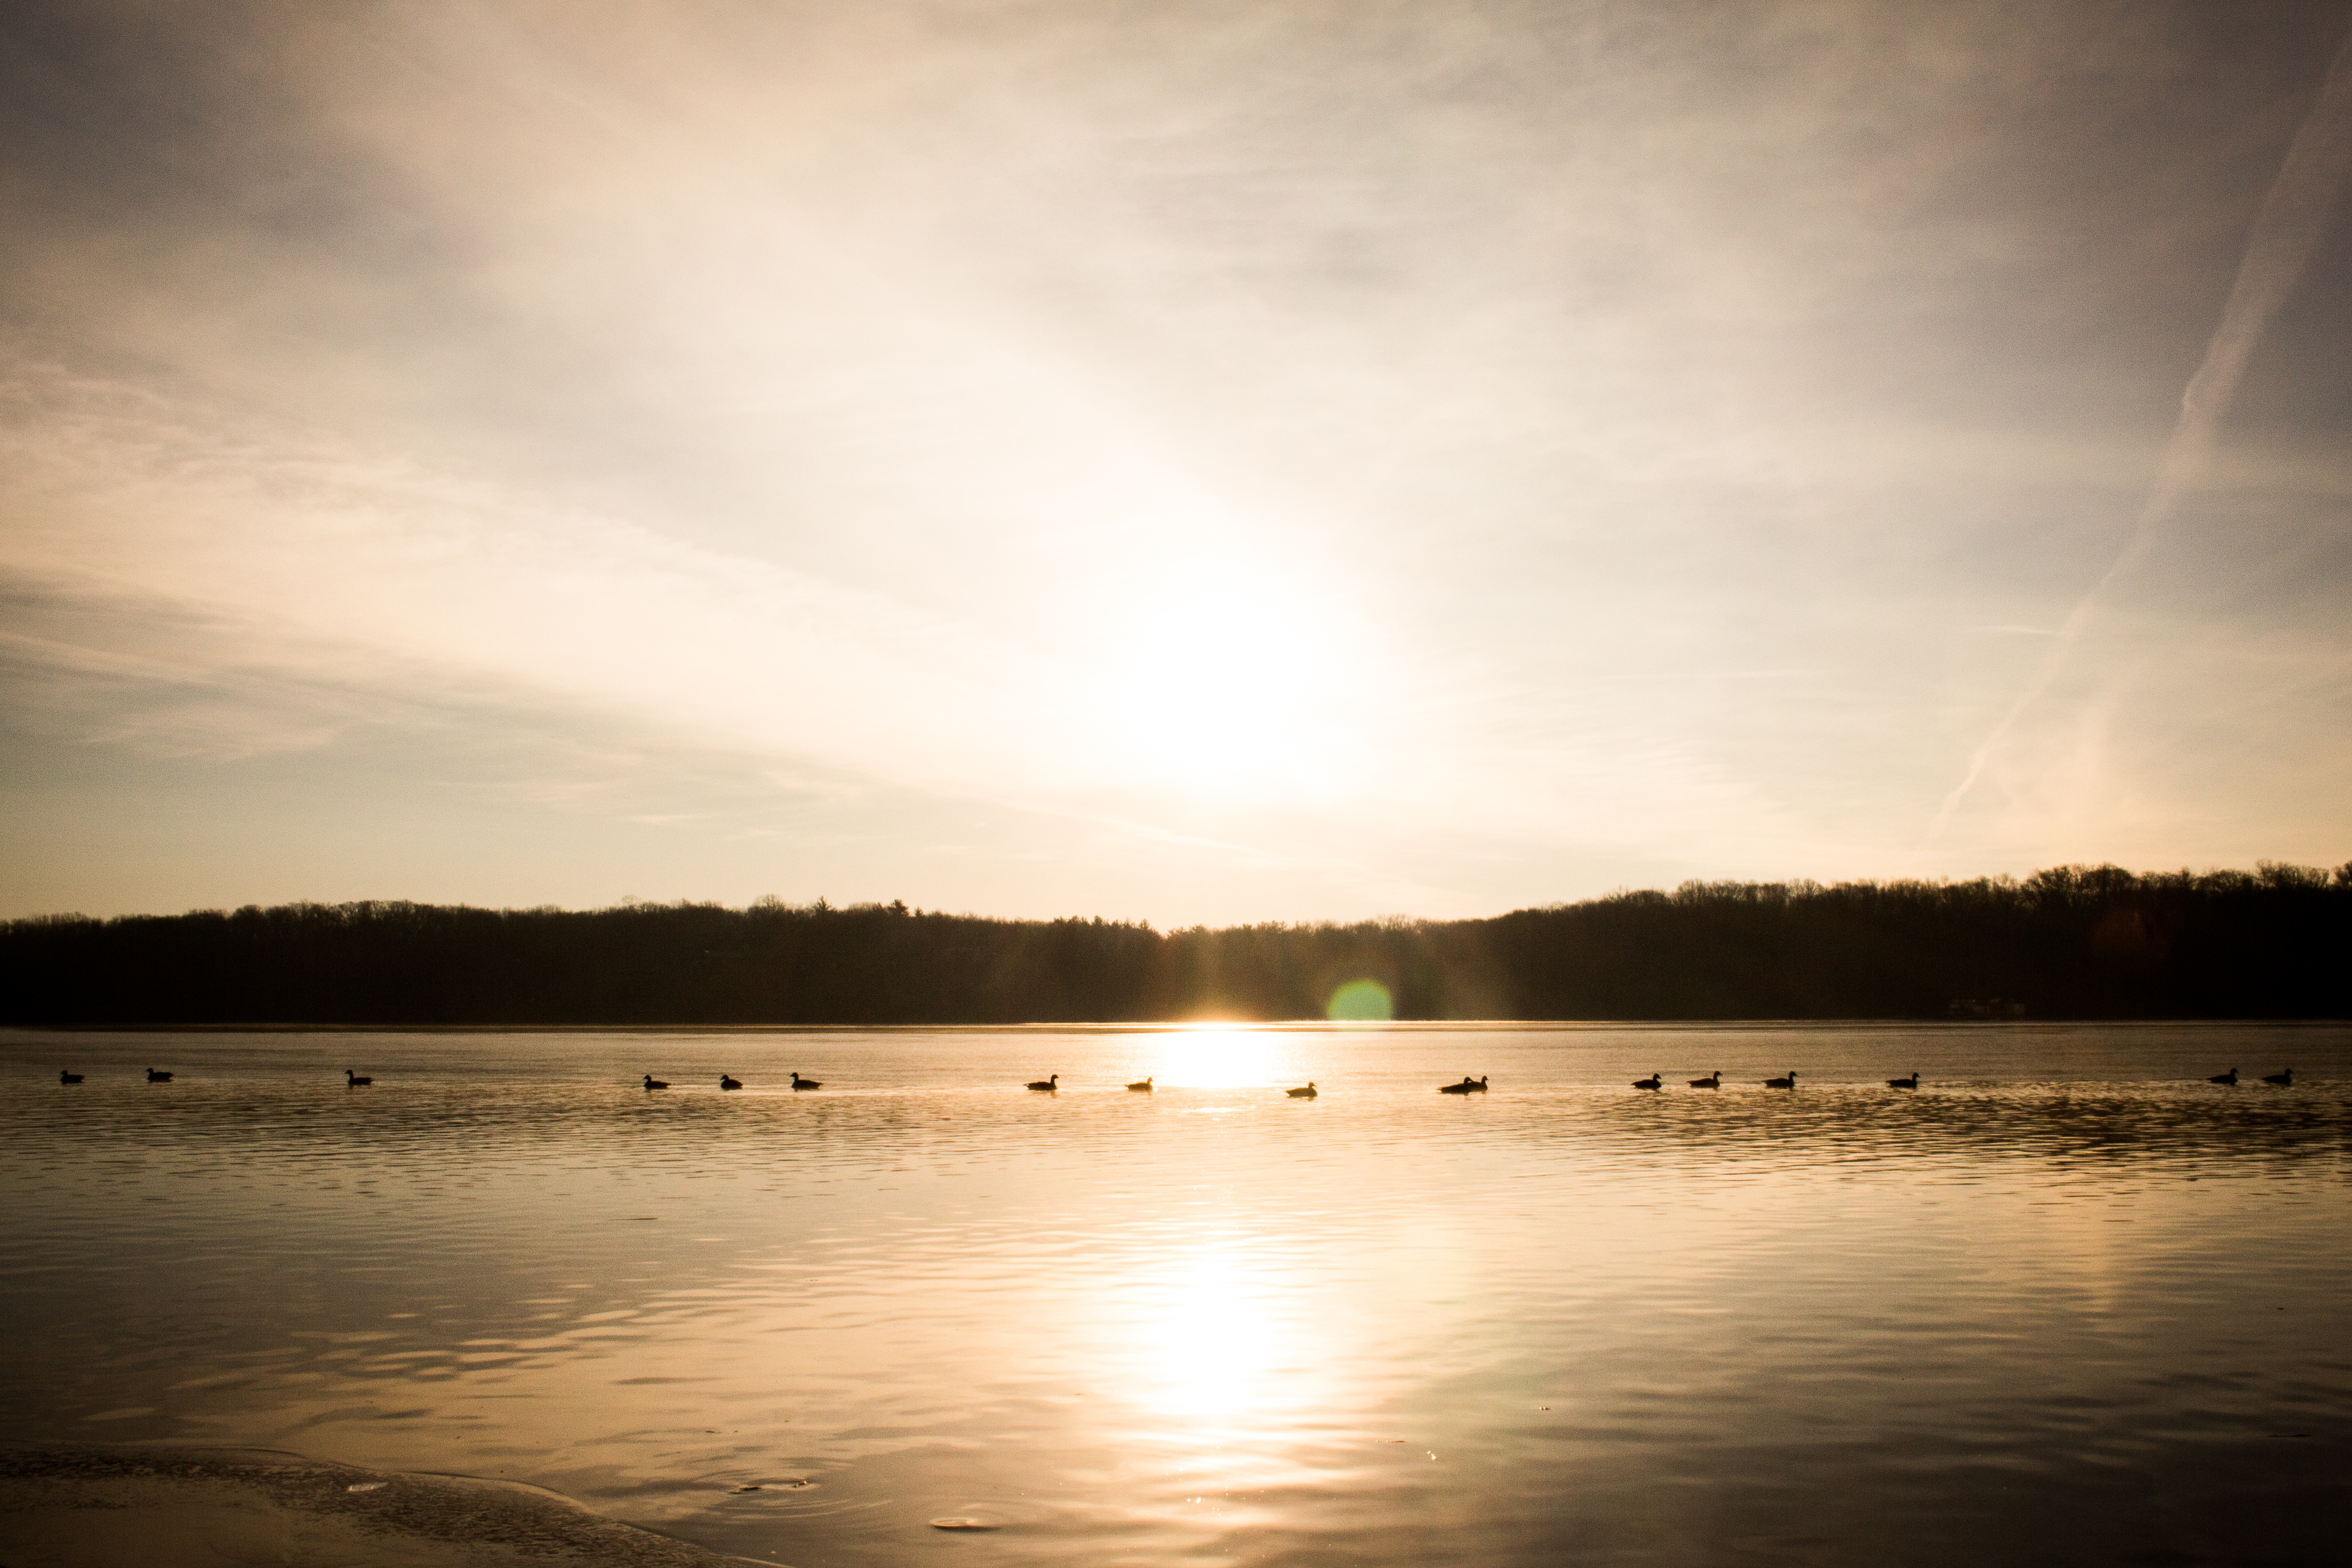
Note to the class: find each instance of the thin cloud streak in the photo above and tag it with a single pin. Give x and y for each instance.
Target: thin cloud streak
(2292, 220)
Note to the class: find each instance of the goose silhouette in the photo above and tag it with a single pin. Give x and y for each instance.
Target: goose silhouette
(1048, 1085)
(728, 1080)
(1653, 1081)
(1910, 1083)
(2282, 1077)
(1306, 1094)
(155, 1077)
(1468, 1085)
(653, 1082)
(800, 1082)
(2228, 1080)
(65, 1077)
(1142, 1088)
(1712, 1081)
(354, 1081)
(1787, 1082)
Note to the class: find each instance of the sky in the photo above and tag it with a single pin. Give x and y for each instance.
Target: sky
(1200, 462)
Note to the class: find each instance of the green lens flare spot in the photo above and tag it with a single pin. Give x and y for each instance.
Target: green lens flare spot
(1360, 1001)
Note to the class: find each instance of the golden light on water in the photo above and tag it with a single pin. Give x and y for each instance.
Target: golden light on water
(1209, 1343)
(1218, 1056)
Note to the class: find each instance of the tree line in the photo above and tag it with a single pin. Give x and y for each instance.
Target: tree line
(2070, 942)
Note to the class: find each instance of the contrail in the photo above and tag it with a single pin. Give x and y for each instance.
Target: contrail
(2293, 219)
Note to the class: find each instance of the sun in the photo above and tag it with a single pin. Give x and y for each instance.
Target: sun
(1227, 678)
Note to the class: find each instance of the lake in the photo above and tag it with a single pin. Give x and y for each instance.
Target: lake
(2064, 1302)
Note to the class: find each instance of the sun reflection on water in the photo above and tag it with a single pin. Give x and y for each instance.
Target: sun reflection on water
(1218, 1056)
(1208, 1339)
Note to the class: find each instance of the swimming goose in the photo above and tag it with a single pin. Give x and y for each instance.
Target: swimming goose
(653, 1082)
(2228, 1080)
(729, 1081)
(1467, 1086)
(65, 1077)
(1654, 1081)
(2283, 1078)
(353, 1080)
(1787, 1082)
(1048, 1086)
(1712, 1081)
(800, 1082)
(155, 1077)
(1306, 1094)
(1910, 1083)
(1142, 1088)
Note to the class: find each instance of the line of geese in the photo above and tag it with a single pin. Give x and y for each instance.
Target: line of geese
(157, 1075)
(1788, 1080)
(2284, 1078)
(1052, 1084)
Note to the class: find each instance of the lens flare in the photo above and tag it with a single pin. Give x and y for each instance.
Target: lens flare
(1360, 1001)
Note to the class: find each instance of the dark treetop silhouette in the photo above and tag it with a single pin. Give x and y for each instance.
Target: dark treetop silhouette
(2069, 943)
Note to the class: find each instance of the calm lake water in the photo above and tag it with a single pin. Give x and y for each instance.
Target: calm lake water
(2066, 1303)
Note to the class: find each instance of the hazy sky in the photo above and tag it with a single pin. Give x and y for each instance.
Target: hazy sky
(1193, 461)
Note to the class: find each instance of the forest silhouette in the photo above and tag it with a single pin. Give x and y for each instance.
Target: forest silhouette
(2071, 942)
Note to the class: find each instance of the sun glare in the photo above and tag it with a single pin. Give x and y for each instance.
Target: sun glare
(1229, 677)
(1217, 1056)
(1209, 1340)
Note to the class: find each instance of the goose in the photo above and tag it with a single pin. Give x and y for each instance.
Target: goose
(1048, 1086)
(1910, 1083)
(727, 1080)
(155, 1077)
(1654, 1081)
(2228, 1080)
(653, 1082)
(1306, 1094)
(354, 1081)
(2283, 1077)
(1712, 1081)
(1787, 1082)
(800, 1082)
(1142, 1088)
(65, 1077)
(1467, 1086)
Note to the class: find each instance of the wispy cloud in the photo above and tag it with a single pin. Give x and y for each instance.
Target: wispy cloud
(2289, 228)
(1229, 461)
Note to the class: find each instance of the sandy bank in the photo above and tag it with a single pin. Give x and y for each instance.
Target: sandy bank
(238, 1508)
